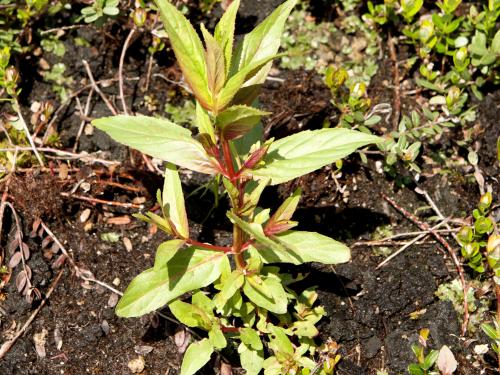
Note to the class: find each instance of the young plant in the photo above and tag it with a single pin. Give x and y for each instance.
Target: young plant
(425, 362)
(253, 304)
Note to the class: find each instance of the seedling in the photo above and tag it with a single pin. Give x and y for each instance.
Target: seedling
(253, 304)
(425, 361)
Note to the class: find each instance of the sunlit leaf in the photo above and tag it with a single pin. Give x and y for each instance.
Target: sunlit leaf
(187, 270)
(159, 138)
(173, 197)
(196, 356)
(304, 152)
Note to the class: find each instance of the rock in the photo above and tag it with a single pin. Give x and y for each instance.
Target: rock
(137, 365)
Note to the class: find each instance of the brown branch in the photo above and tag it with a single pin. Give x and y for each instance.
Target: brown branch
(85, 113)
(98, 89)
(102, 201)
(446, 245)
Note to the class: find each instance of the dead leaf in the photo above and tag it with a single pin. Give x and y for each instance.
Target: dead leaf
(446, 361)
(226, 369)
(85, 215)
(143, 349)
(113, 300)
(58, 339)
(181, 339)
(40, 340)
(119, 220)
(127, 243)
(15, 259)
(21, 281)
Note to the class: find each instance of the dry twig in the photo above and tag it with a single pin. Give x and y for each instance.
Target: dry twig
(120, 69)
(98, 89)
(397, 89)
(446, 245)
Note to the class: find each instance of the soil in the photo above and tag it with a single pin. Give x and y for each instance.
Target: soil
(369, 310)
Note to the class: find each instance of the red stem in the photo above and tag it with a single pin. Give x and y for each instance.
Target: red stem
(228, 159)
(209, 246)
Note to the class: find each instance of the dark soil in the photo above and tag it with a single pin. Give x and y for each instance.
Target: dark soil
(368, 309)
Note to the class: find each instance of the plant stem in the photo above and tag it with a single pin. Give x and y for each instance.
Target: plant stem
(237, 247)
(209, 246)
(228, 159)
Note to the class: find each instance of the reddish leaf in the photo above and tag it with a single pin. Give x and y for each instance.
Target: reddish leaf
(21, 281)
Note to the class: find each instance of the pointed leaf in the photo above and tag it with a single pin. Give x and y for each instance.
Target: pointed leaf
(263, 41)
(288, 207)
(214, 57)
(187, 270)
(188, 50)
(238, 120)
(159, 138)
(173, 197)
(304, 152)
(224, 32)
(313, 247)
(266, 292)
(216, 337)
(229, 287)
(196, 356)
(165, 252)
(235, 83)
(203, 122)
(190, 315)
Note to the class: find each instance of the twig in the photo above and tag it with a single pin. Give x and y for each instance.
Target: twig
(148, 74)
(120, 69)
(84, 113)
(446, 245)
(407, 245)
(63, 28)
(7, 345)
(102, 201)
(85, 157)
(27, 131)
(399, 235)
(397, 88)
(98, 89)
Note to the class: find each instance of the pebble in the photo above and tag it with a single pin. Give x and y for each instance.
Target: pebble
(127, 243)
(85, 215)
(137, 365)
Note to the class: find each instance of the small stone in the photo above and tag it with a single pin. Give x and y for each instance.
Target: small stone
(88, 130)
(137, 365)
(113, 300)
(127, 243)
(85, 215)
(116, 281)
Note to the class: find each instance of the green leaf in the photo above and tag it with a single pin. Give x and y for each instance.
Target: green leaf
(190, 315)
(216, 337)
(495, 44)
(235, 82)
(214, 57)
(203, 122)
(303, 247)
(430, 359)
(165, 252)
(188, 50)
(251, 338)
(263, 42)
(224, 32)
(187, 270)
(415, 369)
(255, 230)
(173, 197)
(280, 343)
(229, 287)
(304, 152)
(196, 356)
(251, 360)
(490, 331)
(266, 292)
(288, 207)
(238, 120)
(159, 138)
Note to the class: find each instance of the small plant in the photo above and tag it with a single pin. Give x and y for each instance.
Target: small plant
(99, 10)
(253, 305)
(425, 361)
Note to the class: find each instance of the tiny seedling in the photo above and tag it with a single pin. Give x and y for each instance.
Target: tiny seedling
(253, 305)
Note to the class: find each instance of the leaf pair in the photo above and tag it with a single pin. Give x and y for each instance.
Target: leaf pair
(214, 75)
